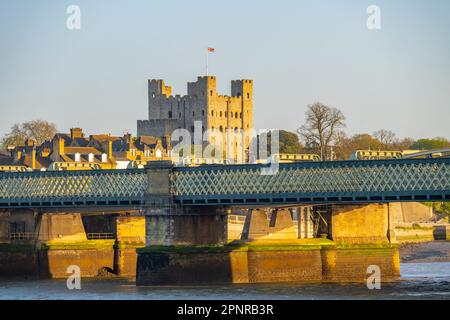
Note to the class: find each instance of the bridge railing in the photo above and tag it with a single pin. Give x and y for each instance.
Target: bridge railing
(22, 236)
(316, 182)
(301, 182)
(73, 188)
(100, 236)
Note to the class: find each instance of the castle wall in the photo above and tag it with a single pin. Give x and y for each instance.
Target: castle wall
(202, 103)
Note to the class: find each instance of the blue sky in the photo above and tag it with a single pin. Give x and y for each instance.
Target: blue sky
(297, 52)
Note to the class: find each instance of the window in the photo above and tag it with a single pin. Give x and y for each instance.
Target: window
(193, 114)
(221, 129)
(170, 114)
(153, 95)
(236, 115)
(212, 113)
(180, 115)
(203, 113)
(240, 115)
(221, 114)
(231, 114)
(210, 92)
(248, 95)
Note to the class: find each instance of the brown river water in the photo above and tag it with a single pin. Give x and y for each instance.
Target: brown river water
(425, 274)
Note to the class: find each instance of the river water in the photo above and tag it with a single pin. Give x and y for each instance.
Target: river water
(418, 281)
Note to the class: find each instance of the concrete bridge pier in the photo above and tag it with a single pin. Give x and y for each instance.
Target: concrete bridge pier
(168, 224)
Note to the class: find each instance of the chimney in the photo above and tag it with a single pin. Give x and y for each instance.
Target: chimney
(168, 142)
(76, 133)
(61, 150)
(110, 149)
(33, 158)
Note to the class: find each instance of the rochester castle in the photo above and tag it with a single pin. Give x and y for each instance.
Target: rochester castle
(218, 114)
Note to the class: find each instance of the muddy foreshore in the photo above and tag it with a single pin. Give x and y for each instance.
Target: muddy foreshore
(436, 251)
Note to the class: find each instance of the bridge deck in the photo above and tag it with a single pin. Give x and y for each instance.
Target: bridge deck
(312, 182)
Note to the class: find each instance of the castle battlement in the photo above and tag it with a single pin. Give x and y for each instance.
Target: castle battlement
(168, 112)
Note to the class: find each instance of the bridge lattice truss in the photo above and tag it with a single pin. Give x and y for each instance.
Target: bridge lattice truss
(318, 182)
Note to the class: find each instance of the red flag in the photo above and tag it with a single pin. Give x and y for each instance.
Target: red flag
(211, 50)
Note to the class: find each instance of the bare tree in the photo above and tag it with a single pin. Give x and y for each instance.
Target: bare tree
(387, 138)
(38, 130)
(322, 127)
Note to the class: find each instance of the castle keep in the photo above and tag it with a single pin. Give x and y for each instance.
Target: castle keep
(217, 113)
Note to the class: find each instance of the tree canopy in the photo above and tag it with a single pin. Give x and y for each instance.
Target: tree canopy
(430, 144)
(37, 130)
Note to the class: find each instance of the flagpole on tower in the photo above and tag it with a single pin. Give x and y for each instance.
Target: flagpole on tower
(208, 50)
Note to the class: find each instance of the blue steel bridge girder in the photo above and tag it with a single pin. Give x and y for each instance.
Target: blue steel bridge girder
(312, 182)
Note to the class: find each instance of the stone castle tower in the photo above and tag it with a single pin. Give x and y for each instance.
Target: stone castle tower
(217, 113)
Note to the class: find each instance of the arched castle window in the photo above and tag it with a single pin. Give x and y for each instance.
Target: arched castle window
(231, 114)
(170, 114)
(236, 115)
(248, 95)
(203, 113)
(193, 113)
(210, 93)
(212, 113)
(240, 115)
(221, 114)
(221, 129)
(153, 95)
(180, 115)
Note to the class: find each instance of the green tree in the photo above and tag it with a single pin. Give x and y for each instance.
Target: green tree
(430, 144)
(289, 142)
(37, 130)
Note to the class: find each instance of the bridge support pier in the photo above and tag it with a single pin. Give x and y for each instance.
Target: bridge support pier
(269, 224)
(362, 223)
(186, 226)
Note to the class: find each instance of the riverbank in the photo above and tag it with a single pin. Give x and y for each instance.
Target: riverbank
(435, 251)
